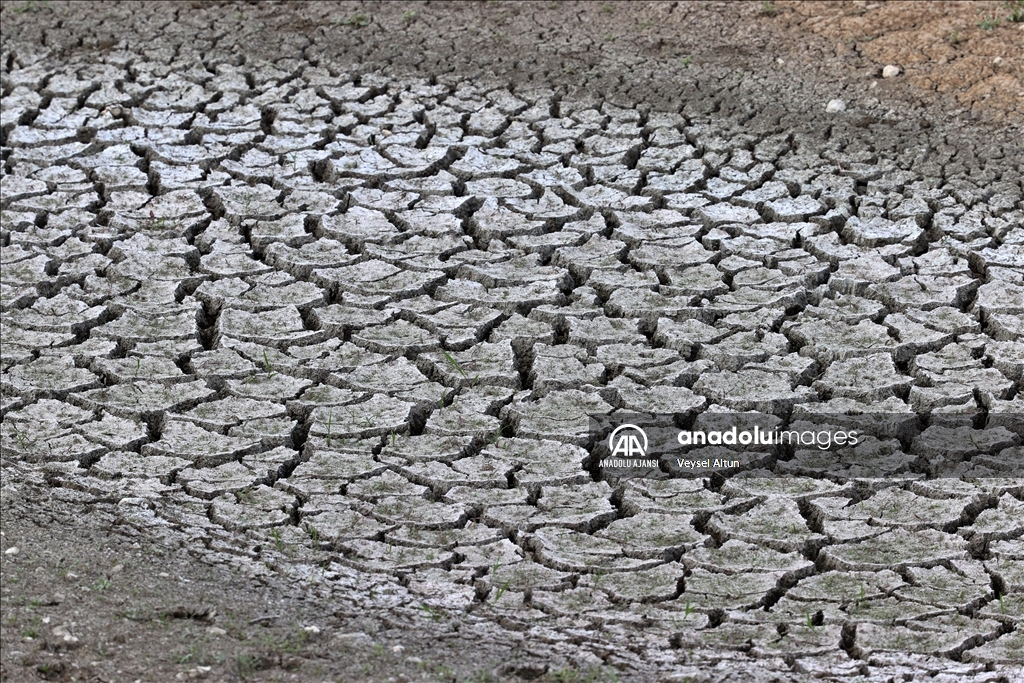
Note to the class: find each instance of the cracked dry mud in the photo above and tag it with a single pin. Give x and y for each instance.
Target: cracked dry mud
(347, 328)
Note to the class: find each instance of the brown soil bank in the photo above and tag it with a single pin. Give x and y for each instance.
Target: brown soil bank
(971, 51)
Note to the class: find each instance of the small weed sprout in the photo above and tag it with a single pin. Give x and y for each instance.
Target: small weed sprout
(504, 587)
(458, 368)
(768, 9)
(358, 20)
(495, 439)
(28, 6)
(989, 23)
(1016, 9)
(434, 613)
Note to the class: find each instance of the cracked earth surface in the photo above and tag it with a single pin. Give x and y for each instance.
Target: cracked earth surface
(345, 326)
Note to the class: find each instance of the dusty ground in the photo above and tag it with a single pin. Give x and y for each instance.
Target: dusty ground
(87, 597)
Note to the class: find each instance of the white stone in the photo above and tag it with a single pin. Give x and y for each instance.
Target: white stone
(835, 106)
(890, 71)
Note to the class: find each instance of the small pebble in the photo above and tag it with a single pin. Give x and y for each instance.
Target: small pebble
(216, 631)
(890, 71)
(13, 550)
(834, 106)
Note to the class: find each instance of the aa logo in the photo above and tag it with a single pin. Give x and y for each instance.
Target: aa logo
(628, 441)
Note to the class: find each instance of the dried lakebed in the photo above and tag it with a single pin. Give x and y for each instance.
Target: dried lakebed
(273, 305)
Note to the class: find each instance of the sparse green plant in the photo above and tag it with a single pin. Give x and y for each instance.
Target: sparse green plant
(28, 6)
(501, 590)
(768, 9)
(687, 611)
(1016, 9)
(278, 543)
(246, 666)
(434, 613)
(19, 436)
(687, 61)
(358, 20)
(989, 23)
(955, 38)
(607, 8)
(458, 368)
(481, 676)
(409, 15)
(495, 439)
